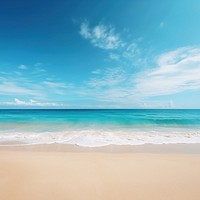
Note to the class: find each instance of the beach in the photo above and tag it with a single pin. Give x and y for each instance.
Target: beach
(56, 171)
(99, 100)
(99, 154)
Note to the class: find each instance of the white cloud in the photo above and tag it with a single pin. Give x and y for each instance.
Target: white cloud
(110, 77)
(157, 104)
(10, 87)
(85, 31)
(113, 56)
(97, 71)
(174, 72)
(54, 84)
(120, 50)
(39, 69)
(23, 67)
(131, 55)
(177, 71)
(57, 87)
(32, 85)
(131, 51)
(31, 103)
(101, 36)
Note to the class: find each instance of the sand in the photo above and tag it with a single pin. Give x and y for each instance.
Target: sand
(93, 175)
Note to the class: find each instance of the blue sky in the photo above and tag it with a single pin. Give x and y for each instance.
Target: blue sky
(100, 54)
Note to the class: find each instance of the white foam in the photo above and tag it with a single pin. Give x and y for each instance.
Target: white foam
(100, 137)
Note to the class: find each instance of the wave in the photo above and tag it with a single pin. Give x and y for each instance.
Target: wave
(100, 127)
(97, 137)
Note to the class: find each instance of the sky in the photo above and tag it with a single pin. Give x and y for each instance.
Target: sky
(100, 54)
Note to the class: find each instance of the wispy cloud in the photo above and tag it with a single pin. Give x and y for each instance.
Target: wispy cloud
(23, 67)
(97, 71)
(102, 36)
(121, 49)
(177, 71)
(56, 84)
(114, 56)
(30, 103)
(39, 69)
(110, 77)
(32, 84)
(38, 64)
(174, 72)
(12, 87)
(120, 86)
(131, 51)
(57, 87)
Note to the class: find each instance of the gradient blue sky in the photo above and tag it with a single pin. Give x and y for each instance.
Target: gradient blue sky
(100, 54)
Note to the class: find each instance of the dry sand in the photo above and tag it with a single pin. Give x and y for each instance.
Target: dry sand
(51, 175)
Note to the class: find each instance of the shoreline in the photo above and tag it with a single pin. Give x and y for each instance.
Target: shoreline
(145, 148)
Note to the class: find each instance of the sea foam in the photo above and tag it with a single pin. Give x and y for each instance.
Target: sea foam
(95, 138)
(93, 128)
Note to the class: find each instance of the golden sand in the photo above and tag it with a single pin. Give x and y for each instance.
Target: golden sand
(32, 175)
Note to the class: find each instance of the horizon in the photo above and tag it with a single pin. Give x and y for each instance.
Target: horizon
(99, 108)
(100, 55)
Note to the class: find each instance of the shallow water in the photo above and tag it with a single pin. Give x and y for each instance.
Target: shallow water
(100, 127)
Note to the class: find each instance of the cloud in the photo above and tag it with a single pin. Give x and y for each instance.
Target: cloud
(131, 51)
(54, 84)
(162, 24)
(110, 77)
(57, 87)
(10, 87)
(101, 36)
(38, 64)
(177, 71)
(121, 86)
(39, 70)
(113, 56)
(109, 89)
(174, 72)
(85, 30)
(30, 103)
(97, 71)
(23, 67)
(157, 104)
(124, 51)
(31, 85)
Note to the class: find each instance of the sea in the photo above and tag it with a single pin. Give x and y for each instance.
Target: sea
(99, 127)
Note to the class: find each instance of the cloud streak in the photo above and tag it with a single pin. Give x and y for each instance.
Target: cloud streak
(23, 67)
(30, 103)
(31, 85)
(101, 36)
(119, 50)
(177, 71)
(110, 77)
(12, 87)
(118, 86)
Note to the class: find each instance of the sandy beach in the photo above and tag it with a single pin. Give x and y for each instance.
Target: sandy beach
(47, 174)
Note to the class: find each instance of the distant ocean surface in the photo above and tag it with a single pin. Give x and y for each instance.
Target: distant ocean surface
(100, 127)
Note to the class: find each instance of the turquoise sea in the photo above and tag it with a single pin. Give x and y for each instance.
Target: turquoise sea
(99, 127)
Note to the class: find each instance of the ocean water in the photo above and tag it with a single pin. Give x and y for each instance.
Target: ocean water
(100, 127)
